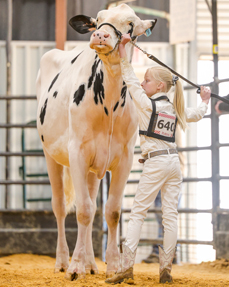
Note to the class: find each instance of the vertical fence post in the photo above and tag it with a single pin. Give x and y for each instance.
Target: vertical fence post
(8, 93)
(215, 126)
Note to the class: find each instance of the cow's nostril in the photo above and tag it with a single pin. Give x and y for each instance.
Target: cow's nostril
(106, 35)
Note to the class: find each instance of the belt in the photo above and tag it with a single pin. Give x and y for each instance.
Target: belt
(159, 152)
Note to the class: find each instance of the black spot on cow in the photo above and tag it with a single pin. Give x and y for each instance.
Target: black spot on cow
(131, 29)
(106, 111)
(53, 82)
(55, 94)
(79, 94)
(73, 60)
(42, 138)
(43, 111)
(123, 94)
(96, 80)
(99, 88)
(93, 71)
(115, 107)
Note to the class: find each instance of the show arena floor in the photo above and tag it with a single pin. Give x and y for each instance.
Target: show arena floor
(33, 270)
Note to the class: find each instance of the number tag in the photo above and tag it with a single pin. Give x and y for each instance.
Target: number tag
(165, 125)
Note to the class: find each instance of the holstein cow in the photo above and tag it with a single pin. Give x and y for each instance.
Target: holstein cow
(87, 123)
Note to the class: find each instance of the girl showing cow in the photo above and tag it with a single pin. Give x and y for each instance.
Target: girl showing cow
(158, 118)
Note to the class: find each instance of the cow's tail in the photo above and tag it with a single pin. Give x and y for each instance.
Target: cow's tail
(69, 191)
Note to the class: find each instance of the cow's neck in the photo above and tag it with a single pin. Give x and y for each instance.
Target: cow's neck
(112, 61)
(111, 65)
(113, 85)
(113, 82)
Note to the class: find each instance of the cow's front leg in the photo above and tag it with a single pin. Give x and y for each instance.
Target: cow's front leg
(93, 186)
(55, 172)
(84, 213)
(112, 212)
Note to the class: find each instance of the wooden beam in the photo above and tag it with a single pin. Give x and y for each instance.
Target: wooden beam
(61, 23)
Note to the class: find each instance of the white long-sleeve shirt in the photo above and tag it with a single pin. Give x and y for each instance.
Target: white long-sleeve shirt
(144, 109)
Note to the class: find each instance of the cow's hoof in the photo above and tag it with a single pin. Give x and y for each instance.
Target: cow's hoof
(60, 269)
(71, 276)
(92, 271)
(74, 276)
(110, 274)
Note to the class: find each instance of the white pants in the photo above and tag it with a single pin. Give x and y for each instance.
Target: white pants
(159, 172)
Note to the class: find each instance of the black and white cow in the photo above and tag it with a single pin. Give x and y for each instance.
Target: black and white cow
(87, 123)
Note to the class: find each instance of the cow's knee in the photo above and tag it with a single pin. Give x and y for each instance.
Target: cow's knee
(85, 213)
(58, 206)
(112, 216)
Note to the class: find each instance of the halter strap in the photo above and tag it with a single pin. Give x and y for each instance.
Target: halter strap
(118, 33)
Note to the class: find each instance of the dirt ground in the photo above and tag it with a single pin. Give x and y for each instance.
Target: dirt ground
(34, 270)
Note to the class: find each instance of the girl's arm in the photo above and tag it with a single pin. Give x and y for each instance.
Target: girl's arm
(196, 114)
(139, 96)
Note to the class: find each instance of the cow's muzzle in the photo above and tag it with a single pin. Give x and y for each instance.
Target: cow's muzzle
(101, 39)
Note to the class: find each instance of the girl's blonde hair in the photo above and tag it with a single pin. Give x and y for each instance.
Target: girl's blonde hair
(162, 74)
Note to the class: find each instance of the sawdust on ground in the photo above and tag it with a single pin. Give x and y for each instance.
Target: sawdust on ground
(35, 270)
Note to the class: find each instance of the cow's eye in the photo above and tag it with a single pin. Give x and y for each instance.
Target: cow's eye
(131, 29)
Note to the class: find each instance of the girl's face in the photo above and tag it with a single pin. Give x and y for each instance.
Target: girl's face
(150, 85)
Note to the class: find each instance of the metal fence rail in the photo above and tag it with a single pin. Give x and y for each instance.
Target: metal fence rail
(7, 154)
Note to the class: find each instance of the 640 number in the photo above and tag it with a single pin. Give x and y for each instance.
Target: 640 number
(167, 125)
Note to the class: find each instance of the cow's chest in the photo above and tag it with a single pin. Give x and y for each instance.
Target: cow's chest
(102, 136)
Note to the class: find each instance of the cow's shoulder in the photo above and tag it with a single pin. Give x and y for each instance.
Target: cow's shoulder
(51, 56)
(56, 59)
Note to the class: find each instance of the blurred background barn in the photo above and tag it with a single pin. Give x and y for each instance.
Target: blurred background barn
(190, 36)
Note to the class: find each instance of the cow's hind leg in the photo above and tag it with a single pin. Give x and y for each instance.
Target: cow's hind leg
(113, 208)
(93, 186)
(55, 172)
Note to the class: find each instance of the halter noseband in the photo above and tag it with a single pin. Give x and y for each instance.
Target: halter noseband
(117, 32)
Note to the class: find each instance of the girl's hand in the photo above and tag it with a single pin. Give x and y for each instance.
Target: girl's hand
(205, 94)
(125, 39)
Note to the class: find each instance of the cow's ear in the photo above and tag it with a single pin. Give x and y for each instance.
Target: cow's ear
(146, 27)
(83, 24)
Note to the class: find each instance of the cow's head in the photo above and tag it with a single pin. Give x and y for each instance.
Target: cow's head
(105, 37)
